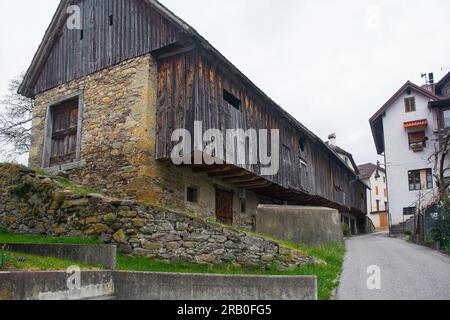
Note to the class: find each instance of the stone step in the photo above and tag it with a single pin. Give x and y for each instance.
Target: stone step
(110, 297)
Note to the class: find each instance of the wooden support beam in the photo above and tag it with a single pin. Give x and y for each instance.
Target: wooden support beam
(213, 168)
(241, 173)
(224, 173)
(254, 185)
(242, 178)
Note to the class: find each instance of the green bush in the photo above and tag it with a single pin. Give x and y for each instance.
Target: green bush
(408, 233)
(5, 260)
(346, 230)
(441, 227)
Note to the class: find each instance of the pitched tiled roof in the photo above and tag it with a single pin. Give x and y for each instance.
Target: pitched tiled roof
(366, 170)
(339, 150)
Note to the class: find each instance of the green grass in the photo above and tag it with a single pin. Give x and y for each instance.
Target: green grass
(327, 273)
(66, 184)
(18, 261)
(6, 237)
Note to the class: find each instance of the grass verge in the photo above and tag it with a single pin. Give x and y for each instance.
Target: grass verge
(12, 261)
(6, 237)
(82, 190)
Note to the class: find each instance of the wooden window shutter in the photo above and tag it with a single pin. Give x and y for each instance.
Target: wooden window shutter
(417, 137)
(64, 133)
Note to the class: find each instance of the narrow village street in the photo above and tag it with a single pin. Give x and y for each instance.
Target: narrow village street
(408, 271)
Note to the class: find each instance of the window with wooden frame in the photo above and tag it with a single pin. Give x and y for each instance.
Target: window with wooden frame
(429, 179)
(417, 138)
(414, 180)
(446, 118)
(64, 133)
(419, 179)
(410, 104)
(378, 205)
(377, 191)
(410, 211)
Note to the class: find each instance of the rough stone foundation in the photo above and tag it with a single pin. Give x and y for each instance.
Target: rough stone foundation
(30, 203)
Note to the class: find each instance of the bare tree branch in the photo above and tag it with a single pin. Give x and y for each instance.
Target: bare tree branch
(15, 120)
(442, 144)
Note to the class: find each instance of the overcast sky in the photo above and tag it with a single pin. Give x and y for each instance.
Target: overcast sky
(331, 64)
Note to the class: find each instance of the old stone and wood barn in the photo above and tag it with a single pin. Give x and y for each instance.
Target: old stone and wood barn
(109, 94)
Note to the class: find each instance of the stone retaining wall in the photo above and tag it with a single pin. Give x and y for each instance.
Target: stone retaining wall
(30, 203)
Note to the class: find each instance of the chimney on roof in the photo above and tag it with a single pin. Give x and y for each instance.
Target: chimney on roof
(429, 82)
(332, 140)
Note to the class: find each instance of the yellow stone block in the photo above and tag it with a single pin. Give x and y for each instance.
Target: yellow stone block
(100, 228)
(146, 171)
(89, 232)
(58, 230)
(91, 220)
(11, 219)
(106, 100)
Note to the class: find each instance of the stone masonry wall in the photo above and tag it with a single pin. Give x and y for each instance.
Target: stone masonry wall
(30, 203)
(118, 142)
(118, 120)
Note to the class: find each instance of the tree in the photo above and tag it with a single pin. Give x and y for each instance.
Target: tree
(441, 227)
(15, 120)
(442, 145)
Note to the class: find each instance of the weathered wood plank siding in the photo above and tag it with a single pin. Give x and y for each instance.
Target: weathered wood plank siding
(191, 86)
(136, 29)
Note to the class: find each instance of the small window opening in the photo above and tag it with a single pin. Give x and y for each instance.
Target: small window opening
(410, 104)
(111, 20)
(192, 195)
(232, 100)
(64, 132)
(81, 34)
(243, 207)
(301, 143)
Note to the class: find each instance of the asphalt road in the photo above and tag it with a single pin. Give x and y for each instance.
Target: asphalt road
(407, 271)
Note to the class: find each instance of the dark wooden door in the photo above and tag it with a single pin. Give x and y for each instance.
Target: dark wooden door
(384, 221)
(224, 206)
(64, 133)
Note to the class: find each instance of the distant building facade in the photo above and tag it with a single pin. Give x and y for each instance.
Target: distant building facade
(346, 157)
(377, 196)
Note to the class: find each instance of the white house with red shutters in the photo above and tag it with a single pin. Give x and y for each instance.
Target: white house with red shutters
(405, 130)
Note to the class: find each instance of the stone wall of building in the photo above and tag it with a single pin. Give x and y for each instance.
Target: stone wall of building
(30, 203)
(118, 142)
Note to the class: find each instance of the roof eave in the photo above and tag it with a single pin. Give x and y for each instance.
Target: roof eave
(25, 87)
